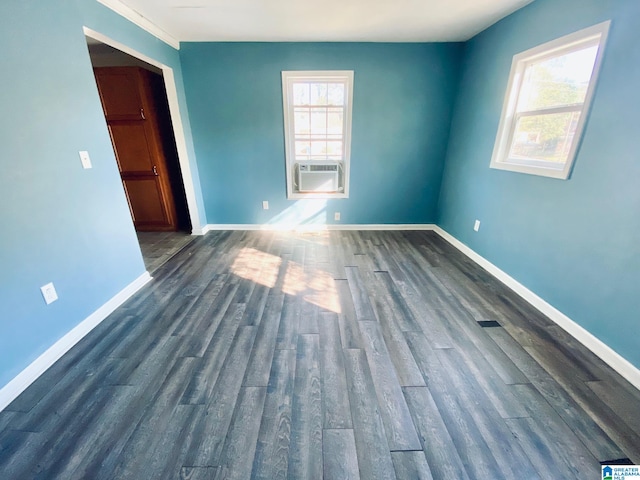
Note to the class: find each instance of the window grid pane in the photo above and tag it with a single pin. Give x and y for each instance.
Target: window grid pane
(302, 121)
(318, 115)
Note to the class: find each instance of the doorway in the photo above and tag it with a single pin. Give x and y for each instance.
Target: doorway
(136, 106)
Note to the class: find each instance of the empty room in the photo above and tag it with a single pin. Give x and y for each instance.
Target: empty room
(364, 240)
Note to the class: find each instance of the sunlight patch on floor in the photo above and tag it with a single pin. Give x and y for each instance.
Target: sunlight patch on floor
(316, 286)
(257, 266)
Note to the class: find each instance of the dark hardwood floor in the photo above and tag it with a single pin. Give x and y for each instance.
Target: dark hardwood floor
(158, 247)
(330, 355)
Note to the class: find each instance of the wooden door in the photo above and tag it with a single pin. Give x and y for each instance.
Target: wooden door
(128, 105)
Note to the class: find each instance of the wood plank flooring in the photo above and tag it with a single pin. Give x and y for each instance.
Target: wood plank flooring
(336, 355)
(158, 247)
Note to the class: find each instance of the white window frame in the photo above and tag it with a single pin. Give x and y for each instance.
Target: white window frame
(595, 35)
(288, 79)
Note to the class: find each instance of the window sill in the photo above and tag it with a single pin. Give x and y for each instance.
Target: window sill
(540, 168)
(300, 196)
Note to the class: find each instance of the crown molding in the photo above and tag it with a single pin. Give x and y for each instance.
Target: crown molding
(141, 21)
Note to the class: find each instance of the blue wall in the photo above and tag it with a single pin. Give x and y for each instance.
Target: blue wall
(59, 222)
(575, 243)
(403, 95)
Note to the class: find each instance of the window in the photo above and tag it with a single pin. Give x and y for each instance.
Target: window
(547, 102)
(317, 125)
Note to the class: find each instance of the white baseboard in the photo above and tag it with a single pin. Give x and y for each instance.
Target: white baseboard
(313, 228)
(597, 346)
(29, 375)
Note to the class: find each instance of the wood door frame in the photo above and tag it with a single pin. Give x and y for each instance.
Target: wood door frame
(176, 120)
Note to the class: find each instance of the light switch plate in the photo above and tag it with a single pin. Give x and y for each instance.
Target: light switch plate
(476, 226)
(265, 205)
(49, 293)
(84, 158)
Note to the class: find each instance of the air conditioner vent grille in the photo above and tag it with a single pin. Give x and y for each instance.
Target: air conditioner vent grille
(324, 168)
(321, 167)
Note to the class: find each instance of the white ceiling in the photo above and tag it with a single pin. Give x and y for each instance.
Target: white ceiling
(323, 21)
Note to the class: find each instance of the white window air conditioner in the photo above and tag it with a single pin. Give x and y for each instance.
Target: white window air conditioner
(318, 177)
